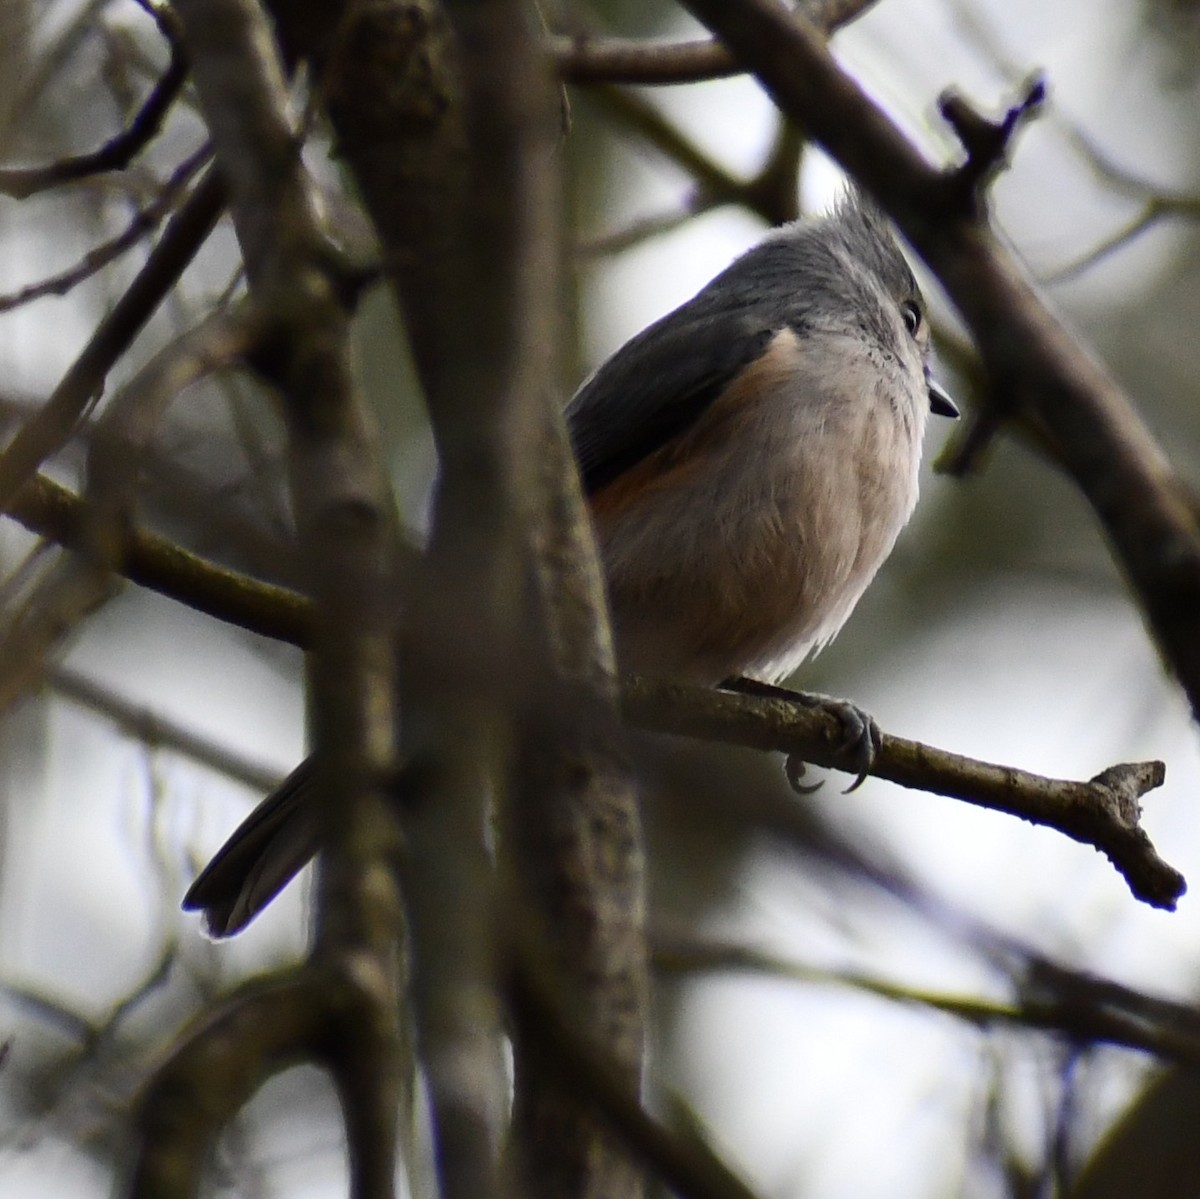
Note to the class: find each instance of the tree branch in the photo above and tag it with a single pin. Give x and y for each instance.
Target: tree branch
(212, 1073)
(345, 526)
(1082, 1007)
(1103, 812)
(143, 222)
(157, 731)
(589, 59)
(52, 511)
(987, 142)
(771, 193)
(691, 1170)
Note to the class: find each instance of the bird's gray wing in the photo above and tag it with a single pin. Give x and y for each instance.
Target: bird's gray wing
(657, 385)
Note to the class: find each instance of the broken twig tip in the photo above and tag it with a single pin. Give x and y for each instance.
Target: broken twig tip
(1129, 781)
(986, 141)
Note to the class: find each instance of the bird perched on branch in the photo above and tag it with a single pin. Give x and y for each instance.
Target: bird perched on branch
(749, 461)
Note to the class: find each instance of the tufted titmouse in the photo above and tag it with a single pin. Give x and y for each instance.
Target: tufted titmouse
(749, 460)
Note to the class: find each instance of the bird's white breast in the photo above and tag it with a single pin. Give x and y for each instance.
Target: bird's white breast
(750, 541)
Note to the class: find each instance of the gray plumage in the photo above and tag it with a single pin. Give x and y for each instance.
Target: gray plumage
(752, 456)
(749, 460)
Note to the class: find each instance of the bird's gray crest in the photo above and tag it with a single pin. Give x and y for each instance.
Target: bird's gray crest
(868, 236)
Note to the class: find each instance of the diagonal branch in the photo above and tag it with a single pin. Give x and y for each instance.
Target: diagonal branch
(143, 222)
(1082, 1007)
(48, 430)
(157, 731)
(56, 513)
(117, 153)
(590, 59)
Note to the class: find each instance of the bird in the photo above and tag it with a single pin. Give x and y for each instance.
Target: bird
(748, 461)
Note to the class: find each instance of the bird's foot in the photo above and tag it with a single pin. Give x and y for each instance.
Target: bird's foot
(860, 742)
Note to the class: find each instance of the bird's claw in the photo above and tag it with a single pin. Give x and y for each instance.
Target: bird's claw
(862, 740)
(794, 768)
(859, 744)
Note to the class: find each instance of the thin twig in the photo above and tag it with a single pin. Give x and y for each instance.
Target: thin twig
(117, 153)
(1157, 204)
(155, 730)
(1082, 1007)
(49, 429)
(643, 229)
(144, 221)
(772, 193)
(1124, 235)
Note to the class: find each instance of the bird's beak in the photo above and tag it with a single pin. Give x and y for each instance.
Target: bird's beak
(940, 401)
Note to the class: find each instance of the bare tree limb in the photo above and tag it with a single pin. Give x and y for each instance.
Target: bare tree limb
(643, 228)
(691, 1170)
(220, 1063)
(1037, 371)
(479, 331)
(389, 75)
(345, 525)
(771, 193)
(1103, 812)
(589, 59)
(1150, 213)
(986, 141)
(1157, 204)
(52, 511)
(1086, 1009)
(630, 110)
(575, 846)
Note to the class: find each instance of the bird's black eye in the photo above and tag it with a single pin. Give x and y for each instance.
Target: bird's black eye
(911, 312)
